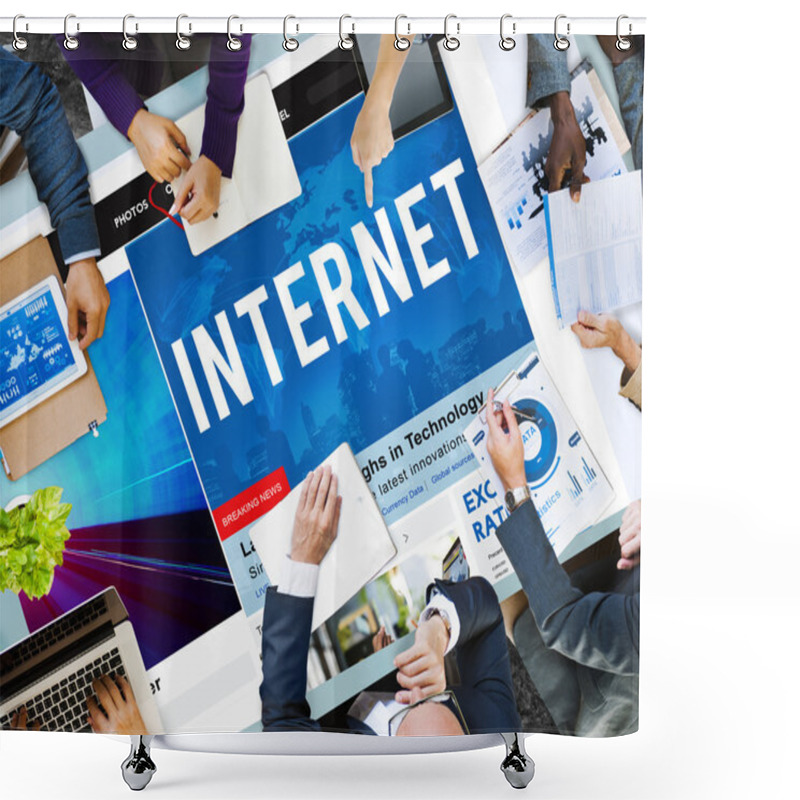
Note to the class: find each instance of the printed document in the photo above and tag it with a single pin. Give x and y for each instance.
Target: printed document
(596, 247)
(514, 176)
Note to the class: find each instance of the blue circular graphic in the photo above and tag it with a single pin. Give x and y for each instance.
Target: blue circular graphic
(539, 430)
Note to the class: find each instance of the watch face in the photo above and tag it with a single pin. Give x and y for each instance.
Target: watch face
(510, 499)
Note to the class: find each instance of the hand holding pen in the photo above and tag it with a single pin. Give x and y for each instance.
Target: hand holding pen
(198, 196)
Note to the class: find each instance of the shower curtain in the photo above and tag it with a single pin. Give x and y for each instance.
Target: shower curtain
(320, 384)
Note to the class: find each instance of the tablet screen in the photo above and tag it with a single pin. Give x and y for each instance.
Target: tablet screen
(36, 356)
(421, 94)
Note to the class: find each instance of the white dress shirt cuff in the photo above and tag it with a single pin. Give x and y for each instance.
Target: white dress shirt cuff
(299, 579)
(440, 602)
(82, 256)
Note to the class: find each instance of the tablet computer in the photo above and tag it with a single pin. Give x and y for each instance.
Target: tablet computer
(37, 358)
(422, 93)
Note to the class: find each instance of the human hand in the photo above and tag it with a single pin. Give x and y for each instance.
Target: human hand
(198, 197)
(157, 140)
(87, 302)
(630, 536)
(567, 147)
(121, 710)
(421, 667)
(316, 520)
(372, 138)
(19, 721)
(504, 445)
(603, 330)
(380, 640)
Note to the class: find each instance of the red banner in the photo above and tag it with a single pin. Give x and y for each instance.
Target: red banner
(249, 505)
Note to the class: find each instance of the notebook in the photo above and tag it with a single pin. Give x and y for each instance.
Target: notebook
(51, 671)
(361, 549)
(264, 177)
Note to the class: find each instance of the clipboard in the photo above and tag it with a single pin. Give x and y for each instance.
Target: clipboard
(568, 486)
(75, 410)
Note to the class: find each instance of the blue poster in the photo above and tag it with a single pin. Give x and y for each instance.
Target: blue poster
(328, 321)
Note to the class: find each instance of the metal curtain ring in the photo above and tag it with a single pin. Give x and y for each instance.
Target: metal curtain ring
(345, 42)
(70, 42)
(400, 44)
(289, 44)
(506, 42)
(623, 44)
(182, 42)
(451, 42)
(560, 42)
(129, 42)
(19, 42)
(234, 44)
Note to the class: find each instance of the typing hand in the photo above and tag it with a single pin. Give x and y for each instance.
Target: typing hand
(161, 145)
(19, 722)
(119, 712)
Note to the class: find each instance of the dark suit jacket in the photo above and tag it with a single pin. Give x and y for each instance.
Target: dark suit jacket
(485, 693)
(599, 631)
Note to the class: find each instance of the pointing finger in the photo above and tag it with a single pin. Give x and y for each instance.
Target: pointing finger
(368, 185)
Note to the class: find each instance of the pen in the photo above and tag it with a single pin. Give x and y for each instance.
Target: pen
(519, 412)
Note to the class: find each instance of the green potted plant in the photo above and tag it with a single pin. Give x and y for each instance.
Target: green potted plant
(32, 539)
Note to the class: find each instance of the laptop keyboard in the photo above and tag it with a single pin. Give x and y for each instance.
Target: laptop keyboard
(62, 707)
(53, 633)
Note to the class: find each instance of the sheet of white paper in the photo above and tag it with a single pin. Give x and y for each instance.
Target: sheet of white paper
(359, 552)
(567, 484)
(514, 177)
(596, 247)
(264, 177)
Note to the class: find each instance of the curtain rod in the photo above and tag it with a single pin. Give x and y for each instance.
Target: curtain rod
(187, 25)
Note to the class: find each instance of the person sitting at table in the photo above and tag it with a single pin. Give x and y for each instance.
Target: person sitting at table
(30, 105)
(462, 617)
(581, 650)
(118, 79)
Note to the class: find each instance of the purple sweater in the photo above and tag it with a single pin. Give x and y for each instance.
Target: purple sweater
(116, 78)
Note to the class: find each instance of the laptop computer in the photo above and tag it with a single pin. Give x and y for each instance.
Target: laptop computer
(51, 671)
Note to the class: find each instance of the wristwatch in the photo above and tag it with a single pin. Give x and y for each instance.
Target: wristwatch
(516, 497)
(433, 611)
